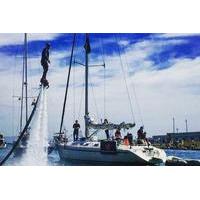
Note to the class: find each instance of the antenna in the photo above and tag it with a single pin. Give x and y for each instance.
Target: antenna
(173, 125)
(186, 126)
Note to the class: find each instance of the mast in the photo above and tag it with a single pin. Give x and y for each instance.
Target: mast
(26, 82)
(67, 85)
(22, 99)
(87, 51)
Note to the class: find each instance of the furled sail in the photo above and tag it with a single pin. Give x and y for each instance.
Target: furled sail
(109, 126)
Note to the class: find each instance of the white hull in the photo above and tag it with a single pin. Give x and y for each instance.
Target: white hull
(137, 155)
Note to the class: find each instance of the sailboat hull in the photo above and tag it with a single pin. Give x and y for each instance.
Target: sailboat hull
(123, 156)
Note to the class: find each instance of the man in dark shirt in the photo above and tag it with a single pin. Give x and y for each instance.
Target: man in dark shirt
(106, 130)
(76, 127)
(45, 62)
(140, 134)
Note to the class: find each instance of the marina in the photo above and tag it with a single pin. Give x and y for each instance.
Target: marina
(96, 138)
(99, 100)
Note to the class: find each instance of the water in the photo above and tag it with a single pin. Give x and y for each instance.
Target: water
(185, 154)
(35, 153)
(54, 160)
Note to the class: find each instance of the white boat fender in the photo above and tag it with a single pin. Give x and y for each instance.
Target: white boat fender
(86, 144)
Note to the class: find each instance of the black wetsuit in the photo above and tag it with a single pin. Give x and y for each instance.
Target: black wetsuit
(76, 127)
(45, 63)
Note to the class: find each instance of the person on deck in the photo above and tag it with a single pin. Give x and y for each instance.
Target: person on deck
(125, 140)
(130, 139)
(118, 136)
(140, 134)
(45, 62)
(76, 128)
(145, 139)
(106, 130)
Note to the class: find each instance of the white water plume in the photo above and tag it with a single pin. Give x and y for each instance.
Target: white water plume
(36, 152)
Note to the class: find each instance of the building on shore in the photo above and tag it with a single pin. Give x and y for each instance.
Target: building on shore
(176, 137)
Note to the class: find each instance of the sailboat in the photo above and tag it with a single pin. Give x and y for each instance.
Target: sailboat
(22, 145)
(106, 152)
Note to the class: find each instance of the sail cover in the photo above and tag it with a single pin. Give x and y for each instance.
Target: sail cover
(109, 126)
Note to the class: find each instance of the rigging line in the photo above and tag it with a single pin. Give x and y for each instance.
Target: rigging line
(95, 102)
(67, 85)
(21, 134)
(81, 102)
(31, 79)
(104, 91)
(13, 93)
(137, 103)
(18, 114)
(80, 52)
(124, 76)
(104, 76)
(74, 98)
(133, 87)
(74, 71)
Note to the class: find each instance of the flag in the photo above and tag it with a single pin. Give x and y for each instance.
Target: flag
(87, 44)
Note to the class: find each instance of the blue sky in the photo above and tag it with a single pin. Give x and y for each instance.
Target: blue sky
(162, 69)
(190, 48)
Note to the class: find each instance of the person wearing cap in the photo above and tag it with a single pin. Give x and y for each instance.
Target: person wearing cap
(45, 62)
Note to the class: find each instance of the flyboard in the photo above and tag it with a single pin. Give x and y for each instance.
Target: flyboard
(44, 83)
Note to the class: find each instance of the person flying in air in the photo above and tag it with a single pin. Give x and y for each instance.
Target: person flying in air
(45, 64)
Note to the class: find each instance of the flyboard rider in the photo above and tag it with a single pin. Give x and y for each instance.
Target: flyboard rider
(45, 64)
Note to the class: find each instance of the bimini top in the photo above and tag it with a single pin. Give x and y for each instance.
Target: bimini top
(109, 126)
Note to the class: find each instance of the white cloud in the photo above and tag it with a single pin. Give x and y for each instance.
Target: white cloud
(123, 42)
(167, 93)
(176, 35)
(42, 36)
(18, 38)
